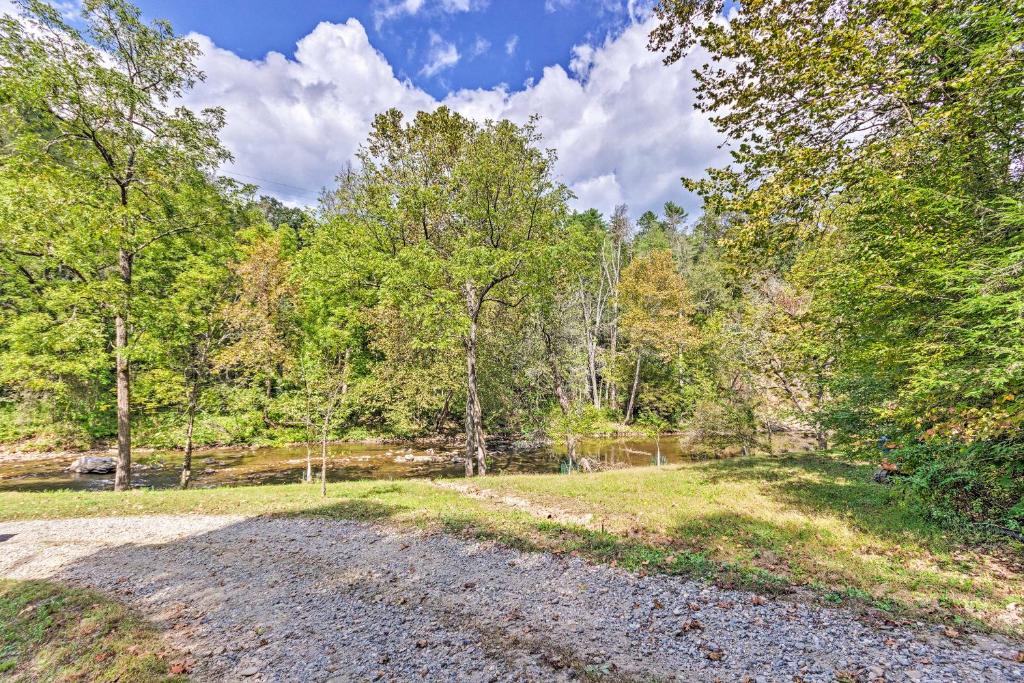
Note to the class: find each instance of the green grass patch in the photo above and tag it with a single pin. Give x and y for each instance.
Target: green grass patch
(805, 521)
(52, 633)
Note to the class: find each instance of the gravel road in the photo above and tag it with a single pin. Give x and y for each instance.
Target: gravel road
(265, 599)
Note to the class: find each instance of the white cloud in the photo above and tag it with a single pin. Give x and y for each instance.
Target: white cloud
(442, 55)
(622, 122)
(387, 10)
(481, 46)
(511, 44)
(582, 59)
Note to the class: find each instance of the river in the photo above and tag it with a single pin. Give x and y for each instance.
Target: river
(348, 461)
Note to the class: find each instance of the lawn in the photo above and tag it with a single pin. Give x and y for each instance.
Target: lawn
(810, 525)
(54, 633)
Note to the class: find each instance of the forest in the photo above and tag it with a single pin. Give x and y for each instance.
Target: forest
(856, 272)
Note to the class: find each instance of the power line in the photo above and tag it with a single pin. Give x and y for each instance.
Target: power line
(303, 190)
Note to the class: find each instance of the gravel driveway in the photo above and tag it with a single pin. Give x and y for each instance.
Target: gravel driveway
(265, 599)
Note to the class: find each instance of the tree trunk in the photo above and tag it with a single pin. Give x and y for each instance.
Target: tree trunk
(344, 371)
(613, 399)
(476, 444)
(595, 391)
(186, 465)
(443, 414)
(323, 459)
(309, 460)
(564, 402)
(632, 392)
(123, 474)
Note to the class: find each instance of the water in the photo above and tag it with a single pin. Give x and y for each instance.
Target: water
(348, 461)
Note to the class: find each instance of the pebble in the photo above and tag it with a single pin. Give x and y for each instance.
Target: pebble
(327, 600)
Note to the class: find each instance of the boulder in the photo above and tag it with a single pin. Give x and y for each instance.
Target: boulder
(89, 464)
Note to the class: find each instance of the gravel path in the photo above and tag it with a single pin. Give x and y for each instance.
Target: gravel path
(312, 600)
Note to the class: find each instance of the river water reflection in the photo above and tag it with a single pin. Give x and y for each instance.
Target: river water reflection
(347, 461)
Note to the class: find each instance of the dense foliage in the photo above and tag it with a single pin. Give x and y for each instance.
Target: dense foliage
(855, 274)
(879, 167)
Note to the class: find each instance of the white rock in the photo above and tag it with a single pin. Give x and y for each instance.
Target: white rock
(88, 464)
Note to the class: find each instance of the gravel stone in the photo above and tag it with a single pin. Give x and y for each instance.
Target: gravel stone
(274, 599)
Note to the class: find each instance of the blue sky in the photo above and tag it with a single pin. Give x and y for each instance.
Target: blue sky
(501, 41)
(301, 80)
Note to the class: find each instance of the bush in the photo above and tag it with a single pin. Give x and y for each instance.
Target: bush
(977, 482)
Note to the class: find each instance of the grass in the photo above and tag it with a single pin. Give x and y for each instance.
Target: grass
(807, 521)
(51, 633)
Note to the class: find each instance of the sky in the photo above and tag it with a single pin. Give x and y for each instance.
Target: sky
(302, 79)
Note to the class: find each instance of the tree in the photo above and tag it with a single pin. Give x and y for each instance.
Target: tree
(613, 258)
(655, 304)
(99, 102)
(877, 166)
(188, 331)
(459, 213)
(260, 319)
(591, 286)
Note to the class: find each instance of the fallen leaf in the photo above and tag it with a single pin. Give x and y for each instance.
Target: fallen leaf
(181, 667)
(758, 600)
(951, 632)
(715, 655)
(690, 625)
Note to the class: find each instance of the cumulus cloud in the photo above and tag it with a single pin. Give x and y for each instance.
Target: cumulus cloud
(622, 122)
(582, 59)
(626, 132)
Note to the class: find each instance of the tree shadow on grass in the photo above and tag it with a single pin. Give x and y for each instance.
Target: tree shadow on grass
(816, 484)
(356, 509)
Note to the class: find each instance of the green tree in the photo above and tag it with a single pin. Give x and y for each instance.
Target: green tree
(459, 215)
(102, 135)
(877, 165)
(656, 307)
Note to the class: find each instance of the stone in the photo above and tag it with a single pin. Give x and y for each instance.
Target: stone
(90, 464)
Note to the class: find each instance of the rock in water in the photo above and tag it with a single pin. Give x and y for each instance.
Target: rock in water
(88, 464)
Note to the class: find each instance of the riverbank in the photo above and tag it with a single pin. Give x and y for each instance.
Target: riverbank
(801, 527)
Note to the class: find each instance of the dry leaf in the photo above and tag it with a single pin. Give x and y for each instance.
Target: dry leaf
(758, 600)
(180, 667)
(690, 625)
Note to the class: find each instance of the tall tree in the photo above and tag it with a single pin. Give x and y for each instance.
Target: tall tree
(877, 164)
(459, 212)
(656, 307)
(614, 257)
(102, 102)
